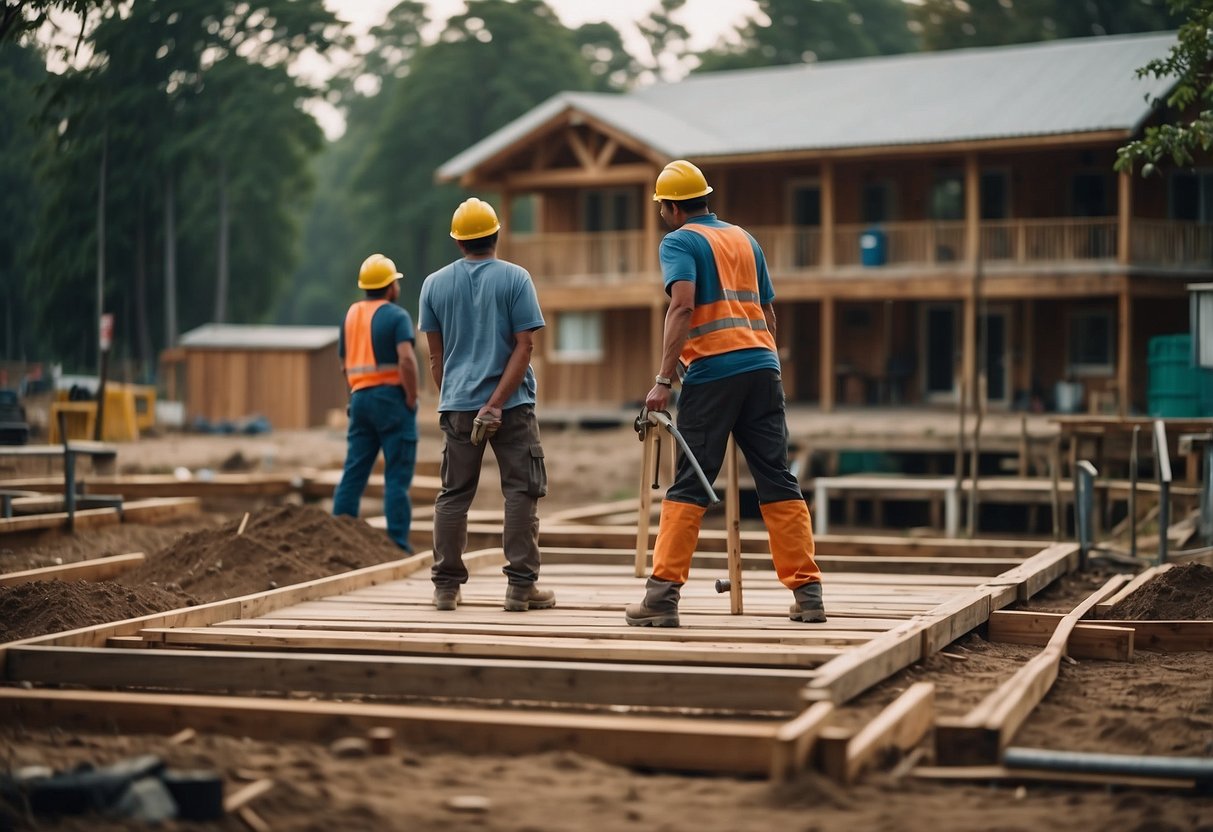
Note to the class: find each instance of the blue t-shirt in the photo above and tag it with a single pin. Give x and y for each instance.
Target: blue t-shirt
(390, 325)
(477, 306)
(686, 255)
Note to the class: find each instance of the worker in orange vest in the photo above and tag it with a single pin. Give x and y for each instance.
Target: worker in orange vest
(721, 325)
(376, 351)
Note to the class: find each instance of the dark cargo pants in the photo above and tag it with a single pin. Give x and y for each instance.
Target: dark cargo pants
(523, 481)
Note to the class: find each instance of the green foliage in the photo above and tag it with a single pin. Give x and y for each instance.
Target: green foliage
(950, 24)
(1188, 125)
(18, 17)
(795, 31)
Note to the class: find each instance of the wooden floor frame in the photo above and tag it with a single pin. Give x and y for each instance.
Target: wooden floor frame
(635, 697)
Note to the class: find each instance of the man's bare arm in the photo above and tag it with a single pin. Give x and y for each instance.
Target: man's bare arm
(677, 325)
(406, 361)
(433, 340)
(768, 312)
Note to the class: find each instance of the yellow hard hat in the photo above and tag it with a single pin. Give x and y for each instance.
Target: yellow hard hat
(681, 180)
(377, 271)
(474, 219)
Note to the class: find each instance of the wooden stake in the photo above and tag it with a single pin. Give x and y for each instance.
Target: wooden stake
(646, 501)
(246, 795)
(732, 511)
(243, 523)
(183, 736)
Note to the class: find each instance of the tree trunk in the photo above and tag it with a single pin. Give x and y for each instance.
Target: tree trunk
(170, 264)
(221, 280)
(143, 333)
(101, 242)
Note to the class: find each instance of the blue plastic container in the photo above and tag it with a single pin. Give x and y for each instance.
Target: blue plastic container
(1176, 387)
(872, 247)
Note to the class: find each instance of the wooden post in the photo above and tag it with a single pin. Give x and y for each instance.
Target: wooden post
(656, 335)
(1124, 358)
(505, 215)
(732, 513)
(975, 474)
(972, 209)
(969, 348)
(826, 382)
(646, 501)
(1124, 211)
(1055, 472)
(827, 216)
(652, 234)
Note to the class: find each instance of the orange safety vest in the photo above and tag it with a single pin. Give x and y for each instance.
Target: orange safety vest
(361, 371)
(736, 322)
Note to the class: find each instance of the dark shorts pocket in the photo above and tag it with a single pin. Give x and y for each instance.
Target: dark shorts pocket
(537, 479)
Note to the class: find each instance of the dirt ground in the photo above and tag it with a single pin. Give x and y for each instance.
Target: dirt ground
(1158, 704)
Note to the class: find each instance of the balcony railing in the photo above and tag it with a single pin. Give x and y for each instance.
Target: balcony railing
(617, 258)
(581, 257)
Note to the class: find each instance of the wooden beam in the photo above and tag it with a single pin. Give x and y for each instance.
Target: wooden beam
(794, 740)
(581, 683)
(968, 360)
(1087, 641)
(577, 145)
(85, 519)
(1169, 636)
(972, 209)
(826, 380)
(855, 671)
(827, 216)
(630, 174)
(1147, 575)
(1124, 352)
(97, 569)
(899, 727)
(667, 743)
(732, 511)
(980, 737)
(1124, 214)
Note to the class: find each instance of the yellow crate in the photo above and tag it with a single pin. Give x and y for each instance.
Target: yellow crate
(80, 418)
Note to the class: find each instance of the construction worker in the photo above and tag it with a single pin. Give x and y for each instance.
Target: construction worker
(479, 315)
(721, 325)
(380, 366)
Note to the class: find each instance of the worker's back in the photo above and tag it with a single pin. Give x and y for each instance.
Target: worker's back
(477, 306)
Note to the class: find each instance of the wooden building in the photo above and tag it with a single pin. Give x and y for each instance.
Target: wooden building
(999, 240)
(229, 372)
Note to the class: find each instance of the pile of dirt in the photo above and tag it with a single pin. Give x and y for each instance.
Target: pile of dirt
(279, 546)
(40, 607)
(1183, 593)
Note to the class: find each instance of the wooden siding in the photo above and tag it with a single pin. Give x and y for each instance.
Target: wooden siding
(624, 374)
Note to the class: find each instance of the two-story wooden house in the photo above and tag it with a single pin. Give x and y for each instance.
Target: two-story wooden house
(926, 218)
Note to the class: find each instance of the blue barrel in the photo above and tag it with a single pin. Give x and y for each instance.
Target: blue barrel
(1175, 385)
(872, 247)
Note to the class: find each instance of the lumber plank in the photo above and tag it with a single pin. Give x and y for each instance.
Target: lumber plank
(666, 743)
(579, 683)
(1087, 641)
(845, 677)
(160, 509)
(900, 726)
(1168, 636)
(97, 569)
(1102, 608)
(794, 740)
(712, 653)
(89, 518)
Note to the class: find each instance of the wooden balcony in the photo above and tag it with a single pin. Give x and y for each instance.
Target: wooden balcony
(621, 258)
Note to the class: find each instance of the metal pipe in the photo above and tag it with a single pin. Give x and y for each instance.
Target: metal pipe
(664, 421)
(1186, 768)
(1162, 455)
(1133, 493)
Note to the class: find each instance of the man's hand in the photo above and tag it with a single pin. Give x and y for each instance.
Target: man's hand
(487, 421)
(658, 398)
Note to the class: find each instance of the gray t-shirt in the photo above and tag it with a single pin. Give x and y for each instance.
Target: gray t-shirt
(478, 306)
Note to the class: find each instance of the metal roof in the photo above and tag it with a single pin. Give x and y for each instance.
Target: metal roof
(259, 337)
(1053, 88)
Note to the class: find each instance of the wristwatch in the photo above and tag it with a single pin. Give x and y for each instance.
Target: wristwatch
(660, 379)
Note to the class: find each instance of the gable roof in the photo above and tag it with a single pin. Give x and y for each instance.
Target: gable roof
(1059, 87)
(259, 337)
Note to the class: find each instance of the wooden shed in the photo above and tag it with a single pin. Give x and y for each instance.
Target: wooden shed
(288, 374)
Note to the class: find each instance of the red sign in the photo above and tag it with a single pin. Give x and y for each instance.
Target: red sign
(107, 330)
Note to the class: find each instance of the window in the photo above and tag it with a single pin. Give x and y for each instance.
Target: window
(612, 209)
(579, 337)
(948, 196)
(876, 202)
(995, 195)
(1191, 196)
(1091, 346)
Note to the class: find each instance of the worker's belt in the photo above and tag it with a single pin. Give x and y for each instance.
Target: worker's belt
(373, 368)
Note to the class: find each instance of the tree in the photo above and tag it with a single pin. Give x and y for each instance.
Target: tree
(950, 24)
(17, 17)
(1188, 125)
(795, 31)
(22, 139)
(490, 65)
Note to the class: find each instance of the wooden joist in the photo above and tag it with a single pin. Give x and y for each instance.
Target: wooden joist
(1087, 640)
(1102, 608)
(794, 740)
(97, 569)
(774, 690)
(979, 737)
(670, 743)
(899, 727)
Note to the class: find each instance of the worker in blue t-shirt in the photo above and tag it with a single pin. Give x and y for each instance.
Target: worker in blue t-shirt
(479, 315)
(380, 366)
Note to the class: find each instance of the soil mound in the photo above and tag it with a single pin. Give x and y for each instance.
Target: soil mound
(41, 607)
(279, 546)
(1179, 594)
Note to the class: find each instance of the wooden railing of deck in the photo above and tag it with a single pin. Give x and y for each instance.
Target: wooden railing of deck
(789, 248)
(906, 243)
(1054, 240)
(1171, 243)
(610, 257)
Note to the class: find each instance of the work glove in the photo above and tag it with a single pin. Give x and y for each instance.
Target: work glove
(485, 425)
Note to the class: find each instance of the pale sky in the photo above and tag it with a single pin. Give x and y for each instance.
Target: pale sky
(706, 21)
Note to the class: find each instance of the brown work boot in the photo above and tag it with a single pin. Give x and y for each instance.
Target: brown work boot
(523, 597)
(808, 607)
(659, 607)
(447, 597)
